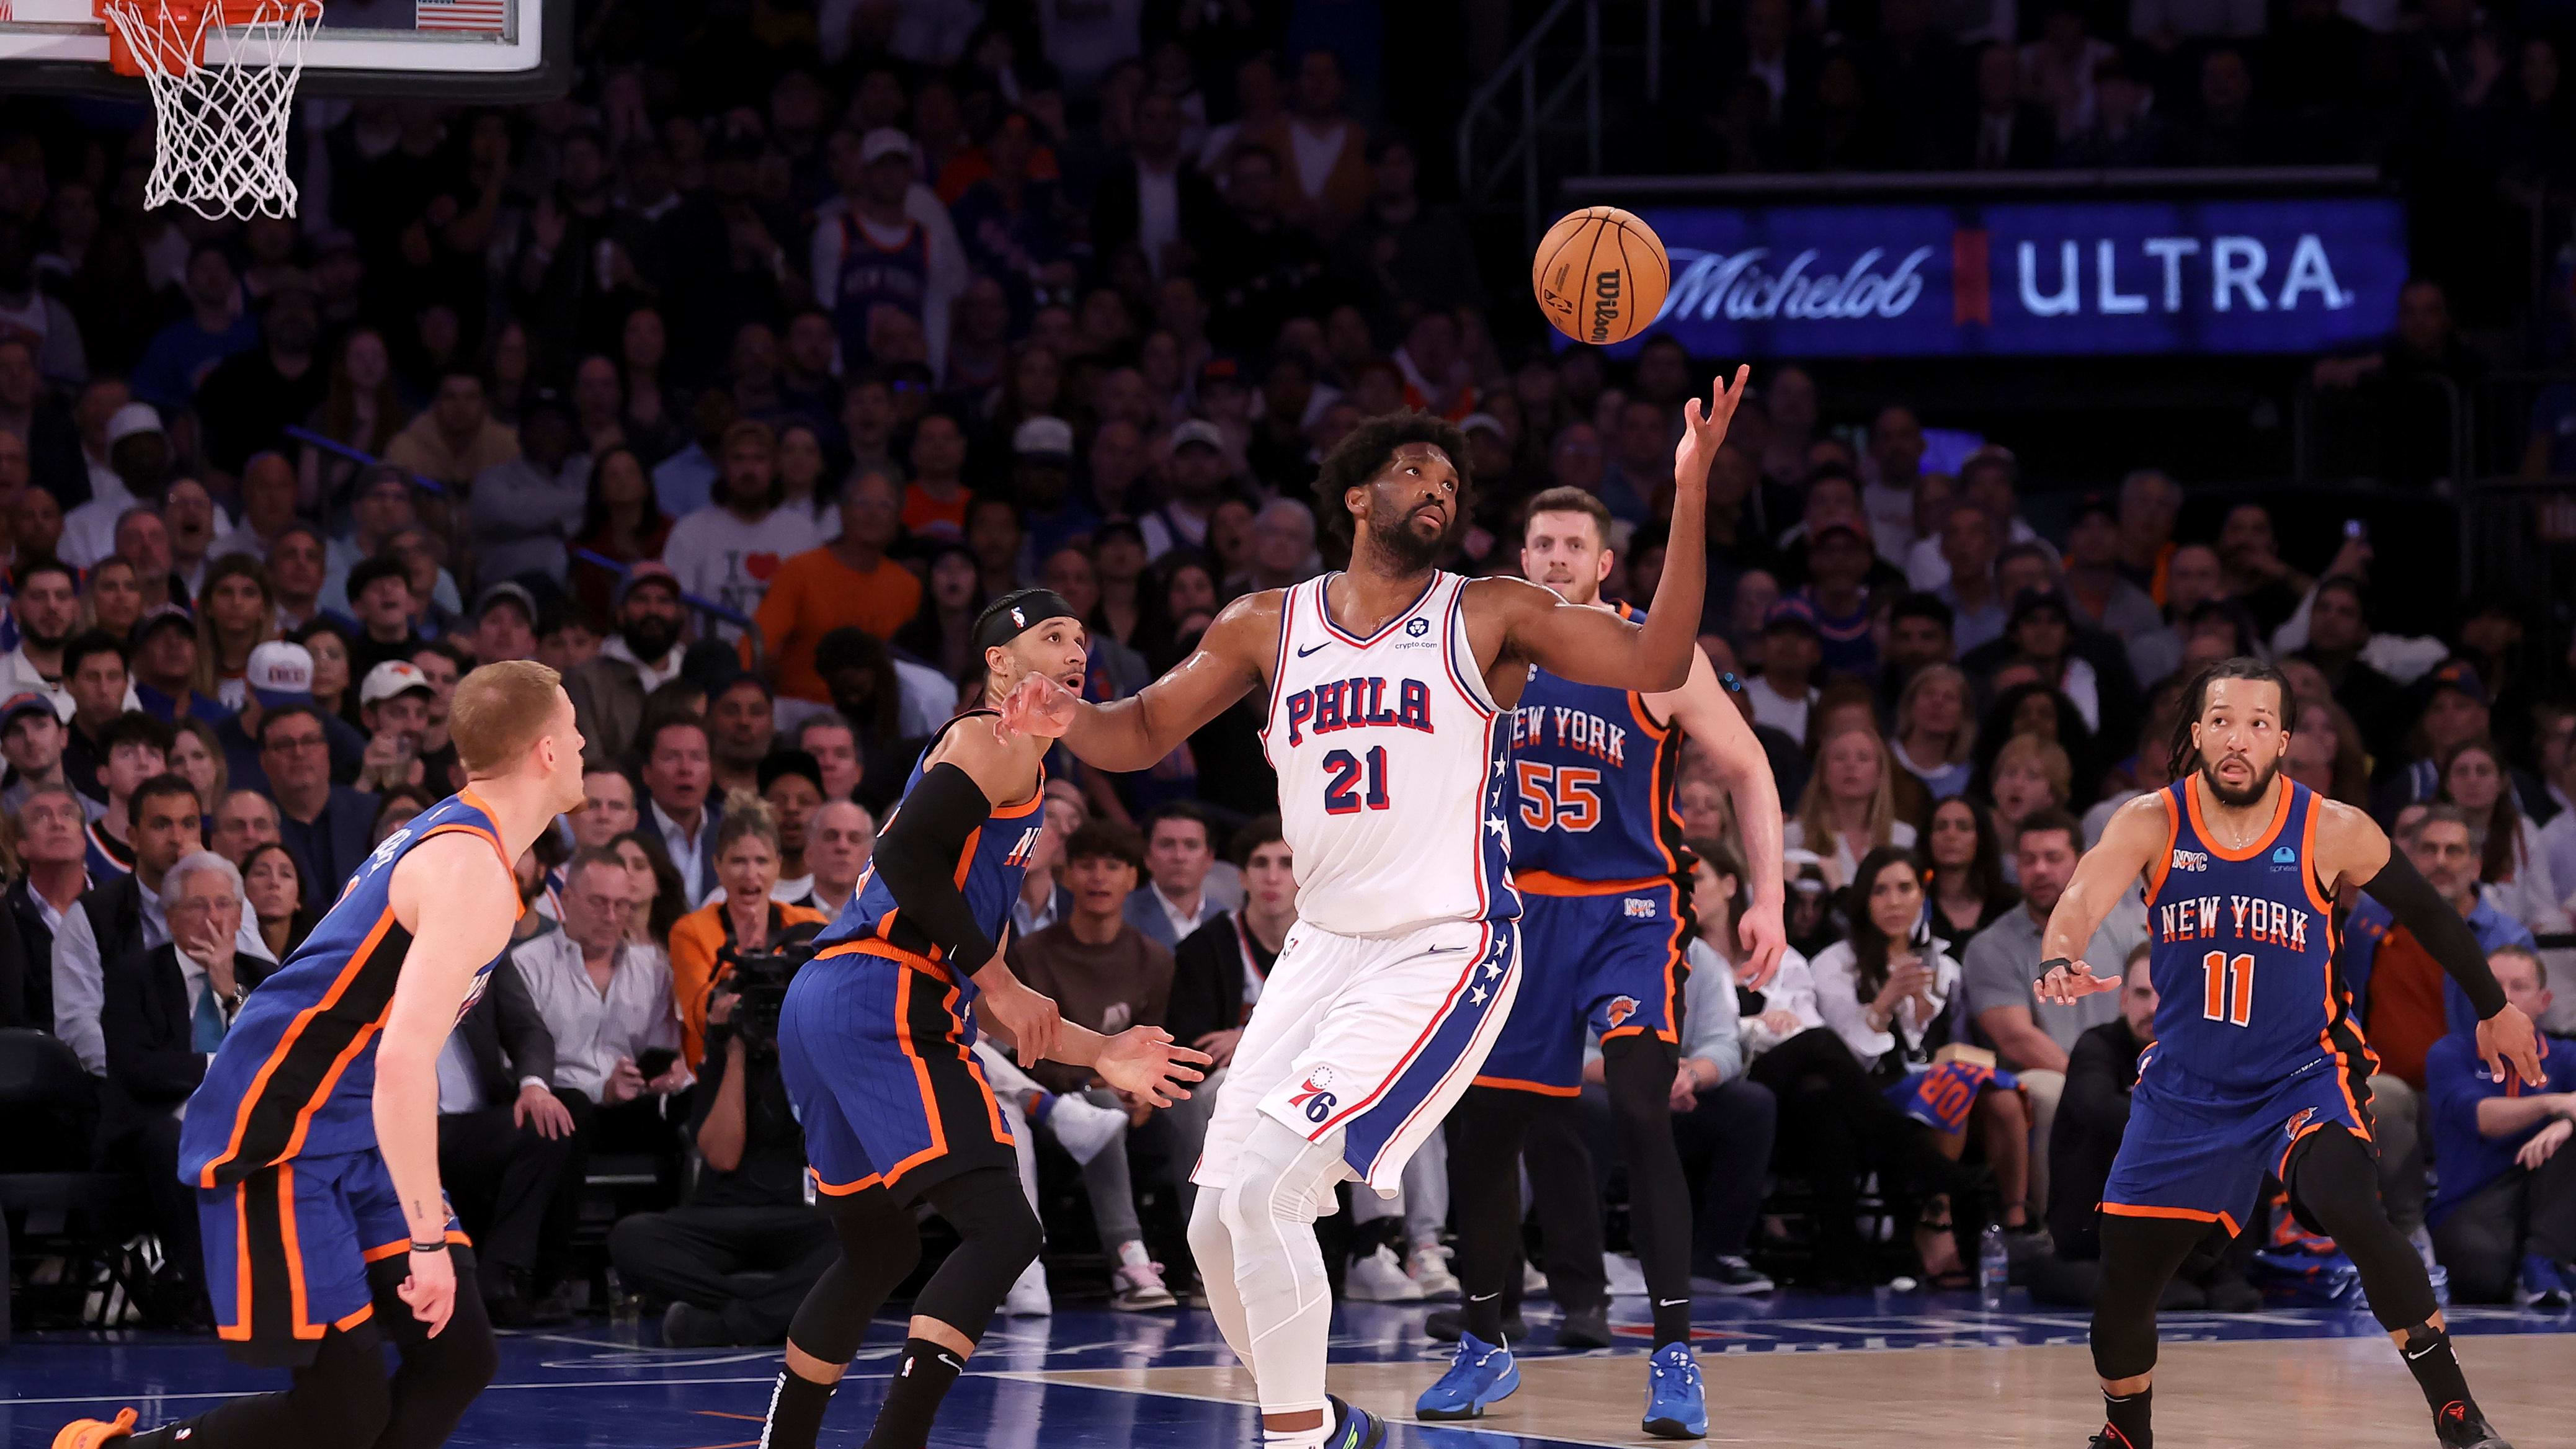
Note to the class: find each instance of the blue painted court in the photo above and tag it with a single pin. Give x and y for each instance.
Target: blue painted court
(1091, 1379)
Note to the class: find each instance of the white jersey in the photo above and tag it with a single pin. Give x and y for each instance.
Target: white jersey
(1392, 765)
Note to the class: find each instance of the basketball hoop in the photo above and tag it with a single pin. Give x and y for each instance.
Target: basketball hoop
(221, 148)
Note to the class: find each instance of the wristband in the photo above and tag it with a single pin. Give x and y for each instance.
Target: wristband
(438, 1245)
(2051, 964)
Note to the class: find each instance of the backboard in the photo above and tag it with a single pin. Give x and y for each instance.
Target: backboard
(455, 50)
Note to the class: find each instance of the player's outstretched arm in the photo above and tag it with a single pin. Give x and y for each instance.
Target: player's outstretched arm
(2351, 848)
(2128, 846)
(1593, 646)
(1137, 732)
(458, 902)
(1704, 712)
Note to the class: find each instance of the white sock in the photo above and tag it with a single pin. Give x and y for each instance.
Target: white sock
(1278, 1266)
(1298, 1438)
(1131, 1254)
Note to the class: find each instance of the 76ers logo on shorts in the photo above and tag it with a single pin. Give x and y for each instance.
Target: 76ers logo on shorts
(1621, 1008)
(1314, 1096)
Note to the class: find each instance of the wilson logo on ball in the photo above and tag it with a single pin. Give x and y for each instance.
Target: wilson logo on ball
(1600, 275)
(1605, 306)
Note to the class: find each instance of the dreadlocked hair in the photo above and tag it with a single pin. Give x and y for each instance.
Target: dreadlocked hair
(1367, 450)
(2195, 699)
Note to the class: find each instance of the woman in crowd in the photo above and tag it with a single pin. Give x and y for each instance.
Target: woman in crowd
(1936, 730)
(940, 632)
(741, 921)
(334, 692)
(395, 808)
(1886, 989)
(275, 888)
(2510, 860)
(1126, 608)
(1187, 589)
(801, 469)
(236, 614)
(2031, 774)
(361, 410)
(1968, 888)
(663, 899)
(2327, 755)
(113, 599)
(1849, 807)
(622, 520)
(2028, 708)
(197, 754)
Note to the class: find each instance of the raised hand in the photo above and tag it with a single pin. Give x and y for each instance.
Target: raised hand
(1145, 1063)
(1037, 706)
(2073, 982)
(1702, 432)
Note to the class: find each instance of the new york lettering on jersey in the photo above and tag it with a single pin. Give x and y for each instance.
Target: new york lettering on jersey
(1393, 766)
(2242, 949)
(296, 1074)
(1592, 775)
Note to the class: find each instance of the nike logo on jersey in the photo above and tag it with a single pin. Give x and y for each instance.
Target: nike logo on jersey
(1437, 950)
(1327, 644)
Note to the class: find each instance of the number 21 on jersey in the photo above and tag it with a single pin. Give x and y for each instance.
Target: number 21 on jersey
(1342, 791)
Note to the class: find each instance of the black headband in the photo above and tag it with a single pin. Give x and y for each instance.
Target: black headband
(1015, 614)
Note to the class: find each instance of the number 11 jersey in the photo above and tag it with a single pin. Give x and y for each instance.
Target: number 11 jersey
(1393, 767)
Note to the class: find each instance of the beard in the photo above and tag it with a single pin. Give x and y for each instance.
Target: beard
(1407, 552)
(649, 637)
(2261, 785)
(46, 643)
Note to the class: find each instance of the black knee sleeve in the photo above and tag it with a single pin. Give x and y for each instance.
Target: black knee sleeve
(880, 1246)
(342, 1396)
(2334, 1187)
(1000, 1238)
(2139, 1256)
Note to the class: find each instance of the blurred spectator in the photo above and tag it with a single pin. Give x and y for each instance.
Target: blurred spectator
(522, 511)
(44, 611)
(741, 921)
(53, 858)
(31, 737)
(1791, 649)
(138, 457)
(741, 719)
(641, 655)
(505, 1142)
(2098, 594)
(677, 773)
(2006, 132)
(2256, 576)
(1968, 890)
(2512, 867)
(274, 887)
(2505, 1217)
(250, 399)
(1849, 806)
(95, 677)
(123, 916)
(846, 583)
(455, 438)
(839, 838)
(1175, 899)
(216, 326)
(134, 748)
(327, 827)
(1935, 732)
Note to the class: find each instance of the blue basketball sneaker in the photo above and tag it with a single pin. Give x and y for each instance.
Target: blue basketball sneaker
(1675, 1406)
(1480, 1373)
(1353, 1428)
(2543, 1286)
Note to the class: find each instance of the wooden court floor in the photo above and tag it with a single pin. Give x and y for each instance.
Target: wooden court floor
(2335, 1393)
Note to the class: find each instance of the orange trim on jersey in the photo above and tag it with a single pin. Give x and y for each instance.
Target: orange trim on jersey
(2194, 1215)
(1673, 978)
(377, 1254)
(2200, 826)
(1549, 883)
(303, 1325)
(2163, 863)
(239, 1329)
(921, 1079)
(1515, 1084)
(286, 1044)
(2281, 1169)
(843, 1189)
(975, 1069)
(2307, 861)
(1661, 1033)
(871, 946)
(1645, 721)
(365, 1311)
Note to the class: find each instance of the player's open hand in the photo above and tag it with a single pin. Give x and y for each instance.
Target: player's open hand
(2508, 1036)
(431, 1288)
(1763, 938)
(1037, 706)
(1702, 432)
(2073, 982)
(1145, 1063)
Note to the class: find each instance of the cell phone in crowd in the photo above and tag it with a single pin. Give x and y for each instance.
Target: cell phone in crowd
(2354, 528)
(655, 1062)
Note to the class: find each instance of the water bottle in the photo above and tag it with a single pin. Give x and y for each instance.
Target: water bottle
(1993, 1267)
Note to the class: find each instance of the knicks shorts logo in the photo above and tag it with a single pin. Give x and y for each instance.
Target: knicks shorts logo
(2190, 860)
(1640, 908)
(1621, 1008)
(2298, 1122)
(1312, 1096)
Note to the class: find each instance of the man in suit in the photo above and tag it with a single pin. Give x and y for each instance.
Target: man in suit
(1157, 199)
(1175, 901)
(2007, 133)
(505, 1142)
(124, 916)
(165, 1011)
(644, 653)
(679, 771)
(327, 828)
(55, 858)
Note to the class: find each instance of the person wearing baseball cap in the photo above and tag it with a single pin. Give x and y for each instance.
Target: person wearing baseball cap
(521, 511)
(1199, 473)
(1839, 560)
(164, 647)
(393, 704)
(1051, 511)
(280, 676)
(31, 739)
(505, 624)
(643, 651)
(1791, 649)
(138, 458)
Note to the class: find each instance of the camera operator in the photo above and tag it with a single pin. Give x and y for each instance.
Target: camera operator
(741, 921)
(738, 1256)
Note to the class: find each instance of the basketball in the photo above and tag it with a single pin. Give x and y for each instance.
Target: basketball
(1600, 275)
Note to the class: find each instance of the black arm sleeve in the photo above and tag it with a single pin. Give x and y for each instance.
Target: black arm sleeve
(918, 860)
(2438, 927)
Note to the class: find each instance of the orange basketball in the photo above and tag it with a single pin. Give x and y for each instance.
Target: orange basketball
(1600, 275)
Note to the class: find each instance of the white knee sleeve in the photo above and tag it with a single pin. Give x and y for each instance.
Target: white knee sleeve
(1212, 1245)
(1287, 1303)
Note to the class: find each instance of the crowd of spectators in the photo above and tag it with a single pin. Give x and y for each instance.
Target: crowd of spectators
(736, 408)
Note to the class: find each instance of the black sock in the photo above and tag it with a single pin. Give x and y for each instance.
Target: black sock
(796, 1411)
(2437, 1370)
(1672, 1322)
(2127, 1418)
(912, 1401)
(1482, 1315)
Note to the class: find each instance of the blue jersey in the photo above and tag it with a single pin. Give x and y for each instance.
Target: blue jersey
(988, 873)
(1594, 774)
(2243, 954)
(296, 1074)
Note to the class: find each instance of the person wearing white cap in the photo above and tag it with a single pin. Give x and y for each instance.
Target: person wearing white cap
(393, 703)
(1199, 473)
(138, 453)
(878, 245)
(280, 675)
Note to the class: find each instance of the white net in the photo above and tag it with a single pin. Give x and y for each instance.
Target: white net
(221, 148)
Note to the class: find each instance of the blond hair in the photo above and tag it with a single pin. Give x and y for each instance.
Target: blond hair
(1963, 740)
(1816, 823)
(499, 711)
(2040, 753)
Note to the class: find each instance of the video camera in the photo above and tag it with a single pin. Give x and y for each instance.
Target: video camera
(760, 978)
